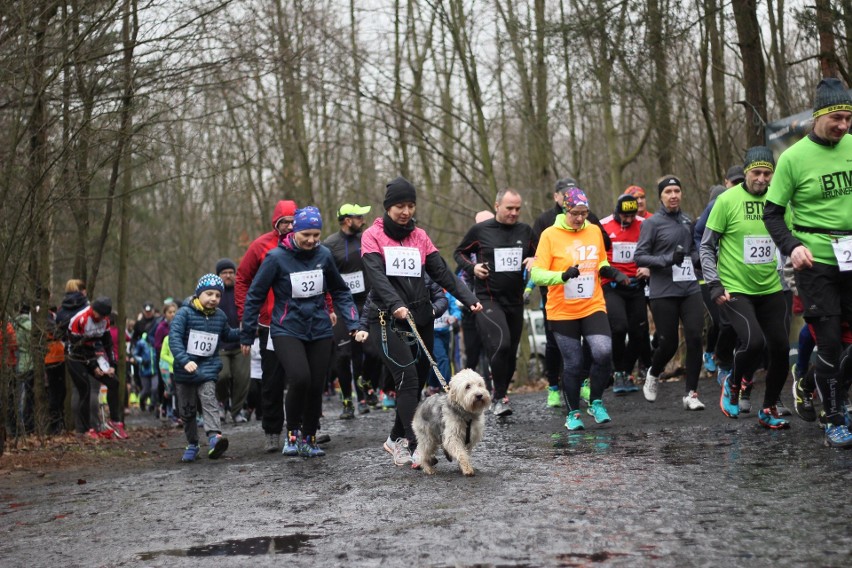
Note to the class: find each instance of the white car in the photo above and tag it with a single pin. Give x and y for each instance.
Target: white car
(534, 322)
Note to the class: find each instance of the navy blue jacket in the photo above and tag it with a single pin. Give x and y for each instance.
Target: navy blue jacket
(188, 318)
(308, 318)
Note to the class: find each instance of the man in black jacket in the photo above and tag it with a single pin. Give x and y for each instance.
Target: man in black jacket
(494, 254)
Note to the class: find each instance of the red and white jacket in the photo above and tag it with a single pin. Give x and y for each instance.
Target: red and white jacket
(87, 338)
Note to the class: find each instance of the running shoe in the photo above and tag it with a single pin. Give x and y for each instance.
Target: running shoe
(597, 410)
(631, 384)
(803, 400)
(573, 422)
(118, 428)
(273, 442)
(502, 407)
(650, 388)
(401, 453)
(363, 407)
(93, 434)
(218, 444)
(838, 437)
(619, 383)
(722, 376)
(691, 402)
(372, 399)
(554, 397)
(768, 418)
(348, 410)
(291, 444)
(709, 363)
(389, 445)
(782, 410)
(389, 400)
(585, 391)
(729, 401)
(309, 449)
(745, 396)
(190, 453)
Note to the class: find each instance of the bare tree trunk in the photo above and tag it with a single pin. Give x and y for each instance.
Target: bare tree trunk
(360, 136)
(665, 136)
(778, 50)
(754, 69)
(574, 140)
(827, 53)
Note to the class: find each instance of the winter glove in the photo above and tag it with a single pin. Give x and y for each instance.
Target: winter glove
(572, 272)
(678, 256)
(716, 290)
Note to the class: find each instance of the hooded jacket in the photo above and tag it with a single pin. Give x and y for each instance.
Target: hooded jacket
(305, 318)
(189, 319)
(251, 261)
(393, 292)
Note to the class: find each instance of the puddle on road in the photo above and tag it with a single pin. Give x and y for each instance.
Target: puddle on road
(257, 546)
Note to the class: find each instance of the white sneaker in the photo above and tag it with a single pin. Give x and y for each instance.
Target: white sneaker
(691, 402)
(650, 388)
(401, 454)
(389, 445)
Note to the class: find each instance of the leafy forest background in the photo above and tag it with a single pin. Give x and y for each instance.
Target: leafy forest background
(141, 140)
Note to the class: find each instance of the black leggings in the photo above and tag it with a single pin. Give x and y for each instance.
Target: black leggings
(594, 331)
(688, 310)
(408, 367)
(307, 364)
(81, 372)
(713, 326)
(759, 324)
(500, 328)
(272, 386)
(627, 311)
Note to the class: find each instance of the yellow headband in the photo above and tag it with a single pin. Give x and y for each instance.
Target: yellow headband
(760, 164)
(831, 109)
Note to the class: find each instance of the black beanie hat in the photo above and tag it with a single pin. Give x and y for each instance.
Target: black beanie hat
(102, 306)
(735, 174)
(565, 183)
(759, 157)
(224, 264)
(667, 181)
(627, 205)
(399, 190)
(831, 97)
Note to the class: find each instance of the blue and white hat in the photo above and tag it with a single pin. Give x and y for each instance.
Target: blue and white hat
(209, 282)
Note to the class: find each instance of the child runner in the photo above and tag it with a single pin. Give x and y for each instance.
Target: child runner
(194, 337)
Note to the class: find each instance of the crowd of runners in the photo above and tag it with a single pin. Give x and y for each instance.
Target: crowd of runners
(372, 308)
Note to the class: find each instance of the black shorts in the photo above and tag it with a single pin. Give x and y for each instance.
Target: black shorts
(825, 291)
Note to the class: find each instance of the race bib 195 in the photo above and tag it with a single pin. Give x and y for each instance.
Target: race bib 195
(508, 259)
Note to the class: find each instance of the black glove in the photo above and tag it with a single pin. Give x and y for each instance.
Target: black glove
(615, 274)
(622, 278)
(677, 257)
(716, 290)
(572, 272)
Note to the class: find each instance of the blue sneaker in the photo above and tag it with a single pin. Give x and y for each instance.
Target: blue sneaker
(309, 449)
(218, 444)
(838, 436)
(729, 401)
(619, 383)
(389, 401)
(768, 418)
(190, 453)
(722, 376)
(709, 363)
(597, 410)
(292, 443)
(573, 422)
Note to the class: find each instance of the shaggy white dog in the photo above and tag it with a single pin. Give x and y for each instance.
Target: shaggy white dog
(454, 422)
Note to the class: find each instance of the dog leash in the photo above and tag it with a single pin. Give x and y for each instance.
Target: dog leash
(438, 374)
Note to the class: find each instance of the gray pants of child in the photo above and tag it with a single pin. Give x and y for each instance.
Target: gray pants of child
(206, 394)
